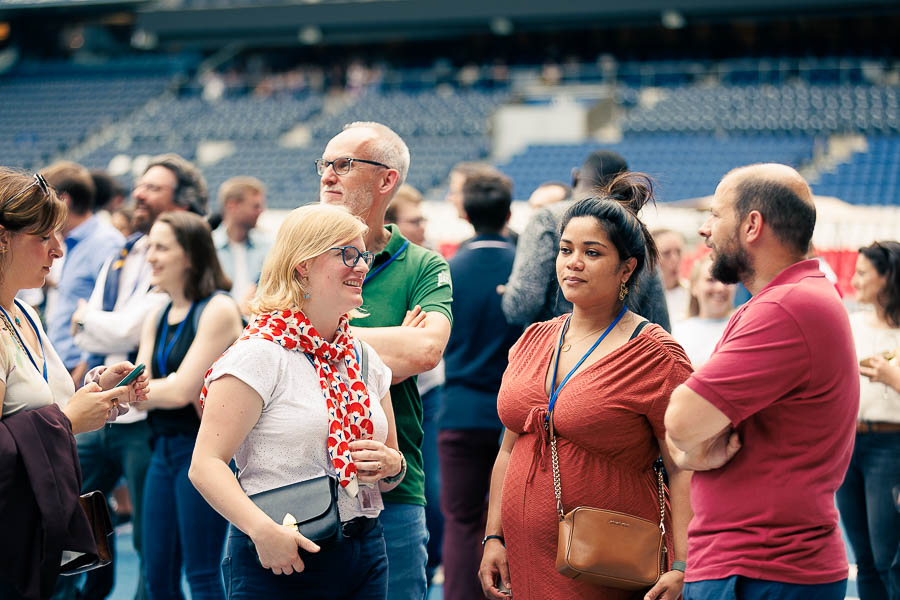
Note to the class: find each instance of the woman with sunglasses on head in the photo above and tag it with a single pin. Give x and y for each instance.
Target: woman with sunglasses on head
(40, 411)
(605, 375)
(178, 343)
(294, 400)
(867, 499)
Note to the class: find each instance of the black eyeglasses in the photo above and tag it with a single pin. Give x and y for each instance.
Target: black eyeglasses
(38, 181)
(351, 255)
(343, 164)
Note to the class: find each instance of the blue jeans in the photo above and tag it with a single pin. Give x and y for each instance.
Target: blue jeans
(870, 516)
(106, 455)
(434, 520)
(406, 539)
(180, 527)
(351, 568)
(738, 587)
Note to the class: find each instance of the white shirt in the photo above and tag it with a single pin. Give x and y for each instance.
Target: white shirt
(116, 333)
(289, 441)
(25, 385)
(699, 337)
(240, 278)
(678, 300)
(877, 401)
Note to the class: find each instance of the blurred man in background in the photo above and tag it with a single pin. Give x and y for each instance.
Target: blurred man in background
(89, 241)
(241, 247)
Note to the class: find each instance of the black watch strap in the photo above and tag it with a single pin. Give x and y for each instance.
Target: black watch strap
(493, 537)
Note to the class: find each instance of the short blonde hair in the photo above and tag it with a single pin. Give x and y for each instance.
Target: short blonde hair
(407, 196)
(307, 232)
(238, 188)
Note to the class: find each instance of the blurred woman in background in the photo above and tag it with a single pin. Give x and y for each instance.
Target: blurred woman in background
(868, 497)
(710, 306)
(178, 343)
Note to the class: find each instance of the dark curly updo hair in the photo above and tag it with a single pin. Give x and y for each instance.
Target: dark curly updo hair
(616, 209)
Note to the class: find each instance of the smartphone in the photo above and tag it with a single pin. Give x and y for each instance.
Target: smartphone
(134, 374)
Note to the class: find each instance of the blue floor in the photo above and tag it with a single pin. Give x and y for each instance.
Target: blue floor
(127, 566)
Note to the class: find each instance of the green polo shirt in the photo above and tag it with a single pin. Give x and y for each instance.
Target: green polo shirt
(415, 276)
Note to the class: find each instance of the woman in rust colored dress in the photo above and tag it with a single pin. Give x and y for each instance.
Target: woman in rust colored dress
(608, 415)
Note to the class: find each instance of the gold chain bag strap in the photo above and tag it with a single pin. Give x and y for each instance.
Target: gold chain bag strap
(605, 547)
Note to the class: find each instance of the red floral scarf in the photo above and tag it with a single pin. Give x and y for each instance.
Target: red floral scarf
(349, 408)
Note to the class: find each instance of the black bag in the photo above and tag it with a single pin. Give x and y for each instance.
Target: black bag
(312, 503)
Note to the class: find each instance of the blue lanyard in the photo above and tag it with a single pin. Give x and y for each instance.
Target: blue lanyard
(381, 267)
(554, 390)
(162, 354)
(21, 341)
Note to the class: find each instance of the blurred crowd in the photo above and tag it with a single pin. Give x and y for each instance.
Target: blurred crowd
(339, 411)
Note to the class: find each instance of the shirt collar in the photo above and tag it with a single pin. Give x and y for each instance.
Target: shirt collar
(220, 238)
(83, 230)
(794, 273)
(394, 243)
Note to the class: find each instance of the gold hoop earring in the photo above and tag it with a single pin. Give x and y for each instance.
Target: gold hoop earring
(623, 291)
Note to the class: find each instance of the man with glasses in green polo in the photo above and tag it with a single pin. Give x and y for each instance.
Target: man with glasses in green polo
(407, 294)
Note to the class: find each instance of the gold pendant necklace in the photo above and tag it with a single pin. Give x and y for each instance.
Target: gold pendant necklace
(567, 347)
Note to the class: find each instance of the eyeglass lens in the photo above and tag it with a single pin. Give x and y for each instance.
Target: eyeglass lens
(351, 256)
(341, 165)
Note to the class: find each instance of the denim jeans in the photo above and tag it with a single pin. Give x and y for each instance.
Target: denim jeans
(406, 539)
(105, 456)
(738, 587)
(434, 519)
(870, 515)
(181, 528)
(349, 569)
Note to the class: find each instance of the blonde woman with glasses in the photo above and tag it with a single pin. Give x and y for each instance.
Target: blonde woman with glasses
(297, 401)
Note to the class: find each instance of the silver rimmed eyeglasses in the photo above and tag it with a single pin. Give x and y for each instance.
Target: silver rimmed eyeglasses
(343, 164)
(351, 255)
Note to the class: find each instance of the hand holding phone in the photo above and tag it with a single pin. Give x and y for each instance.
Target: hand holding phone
(134, 374)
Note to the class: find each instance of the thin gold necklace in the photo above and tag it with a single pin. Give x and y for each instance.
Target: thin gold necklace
(568, 346)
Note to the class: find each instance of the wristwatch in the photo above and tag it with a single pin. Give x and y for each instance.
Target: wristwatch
(400, 474)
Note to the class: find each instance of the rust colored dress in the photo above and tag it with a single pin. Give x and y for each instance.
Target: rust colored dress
(608, 418)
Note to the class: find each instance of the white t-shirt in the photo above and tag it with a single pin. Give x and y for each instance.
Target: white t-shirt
(699, 337)
(678, 300)
(25, 385)
(877, 401)
(240, 278)
(288, 442)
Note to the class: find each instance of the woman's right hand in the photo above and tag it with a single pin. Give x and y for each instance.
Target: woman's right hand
(277, 547)
(494, 566)
(88, 409)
